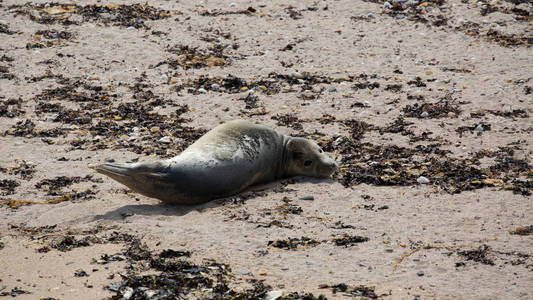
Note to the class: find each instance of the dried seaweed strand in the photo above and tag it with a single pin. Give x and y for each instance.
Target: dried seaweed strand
(399, 261)
(14, 204)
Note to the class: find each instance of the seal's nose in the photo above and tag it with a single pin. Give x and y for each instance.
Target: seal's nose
(331, 163)
(335, 164)
(329, 166)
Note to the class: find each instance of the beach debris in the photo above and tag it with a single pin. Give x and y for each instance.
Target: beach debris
(522, 230)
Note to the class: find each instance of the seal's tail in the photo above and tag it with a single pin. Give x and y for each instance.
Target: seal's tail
(140, 177)
(114, 170)
(128, 169)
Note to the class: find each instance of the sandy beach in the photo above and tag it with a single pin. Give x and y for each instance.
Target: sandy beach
(426, 107)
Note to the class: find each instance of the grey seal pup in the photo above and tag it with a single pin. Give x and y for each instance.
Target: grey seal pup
(223, 162)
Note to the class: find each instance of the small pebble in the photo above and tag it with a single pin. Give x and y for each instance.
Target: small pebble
(479, 128)
(202, 91)
(420, 273)
(297, 75)
(371, 15)
(165, 139)
(464, 148)
(243, 272)
(110, 160)
(422, 180)
(149, 293)
(233, 4)
(307, 198)
(387, 5)
(424, 114)
(164, 77)
(332, 89)
(215, 86)
(127, 293)
(284, 268)
(308, 95)
(400, 16)
(273, 295)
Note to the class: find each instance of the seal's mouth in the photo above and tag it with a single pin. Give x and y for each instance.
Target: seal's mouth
(327, 168)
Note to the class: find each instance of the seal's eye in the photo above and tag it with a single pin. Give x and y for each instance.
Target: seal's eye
(320, 150)
(307, 163)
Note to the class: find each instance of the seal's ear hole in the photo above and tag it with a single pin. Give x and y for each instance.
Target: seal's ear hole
(308, 162)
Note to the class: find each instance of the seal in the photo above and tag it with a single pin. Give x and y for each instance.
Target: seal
(223, 162)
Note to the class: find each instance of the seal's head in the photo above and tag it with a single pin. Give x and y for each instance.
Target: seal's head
(304, 157)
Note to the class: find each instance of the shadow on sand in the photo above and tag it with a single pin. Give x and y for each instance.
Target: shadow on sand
(153, 209)
(180, 210)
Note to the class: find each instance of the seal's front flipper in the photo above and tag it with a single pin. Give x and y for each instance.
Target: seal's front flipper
(145, 178)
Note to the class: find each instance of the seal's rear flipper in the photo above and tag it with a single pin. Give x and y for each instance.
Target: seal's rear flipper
(145, 178)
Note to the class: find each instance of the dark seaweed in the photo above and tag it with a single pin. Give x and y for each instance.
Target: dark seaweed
(293, 243)
(11, 108)
(355, 291)
(194, 58)
(8, 186)
(347, 240)
(434, 110)
(4, 73)
(134, 15)
(523, 230)
(479, 255)
(55, 185)
(288, 120)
